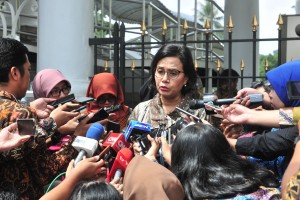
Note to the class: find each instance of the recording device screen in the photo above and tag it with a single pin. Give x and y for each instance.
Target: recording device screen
(293, 90)
(63, 100)
(26, 126)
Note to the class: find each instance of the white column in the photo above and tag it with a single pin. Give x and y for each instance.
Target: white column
(64, 29)
(297, 6)
(242, 12)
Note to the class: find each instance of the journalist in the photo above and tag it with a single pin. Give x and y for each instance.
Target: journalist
(269, 145)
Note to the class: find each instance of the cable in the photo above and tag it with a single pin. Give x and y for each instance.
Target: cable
(58, 176)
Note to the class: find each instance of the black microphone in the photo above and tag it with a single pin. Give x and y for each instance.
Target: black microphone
(199, 103)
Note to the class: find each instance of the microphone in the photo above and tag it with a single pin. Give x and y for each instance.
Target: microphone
(116, 141)
(120, 164)
(197, 103)
(87, 146)
(138, 131)
(136, 128)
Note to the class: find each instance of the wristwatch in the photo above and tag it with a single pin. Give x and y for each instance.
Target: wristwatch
(296, 140)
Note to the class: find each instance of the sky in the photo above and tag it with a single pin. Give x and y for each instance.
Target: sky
(269, 12)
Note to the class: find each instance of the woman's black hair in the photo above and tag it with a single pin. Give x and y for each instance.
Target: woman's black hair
(95, 190)
(186, 58)
(208, 168)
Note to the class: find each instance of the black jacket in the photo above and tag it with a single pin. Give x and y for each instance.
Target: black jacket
(269, 145)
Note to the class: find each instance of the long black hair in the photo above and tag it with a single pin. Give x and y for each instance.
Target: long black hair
(186, 58)
(208, 168)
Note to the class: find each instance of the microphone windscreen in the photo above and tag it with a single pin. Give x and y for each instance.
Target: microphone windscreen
(127, 154)
(95, 131)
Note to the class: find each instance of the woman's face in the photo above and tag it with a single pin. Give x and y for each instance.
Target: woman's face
(267, 100)
(106, 100)
(169, 77)
(275, 100)
(61, 89)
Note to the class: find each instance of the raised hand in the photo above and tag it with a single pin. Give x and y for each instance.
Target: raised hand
(10, 138)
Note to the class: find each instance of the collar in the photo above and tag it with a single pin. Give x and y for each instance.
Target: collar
(8, 95)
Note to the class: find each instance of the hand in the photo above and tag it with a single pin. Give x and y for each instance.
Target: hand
(118, 184)
(231, 130)
(42, 108)
(82, 127)
(10, 138)
(166, 150)
(62, 114)
(245, 92)
(151, 154)
(237, 114)
(87, 169)
(70, 126)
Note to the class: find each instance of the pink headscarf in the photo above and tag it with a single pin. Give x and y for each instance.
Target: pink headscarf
(45, 80)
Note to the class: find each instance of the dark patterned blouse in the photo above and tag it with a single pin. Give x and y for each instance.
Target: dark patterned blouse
(31, 166)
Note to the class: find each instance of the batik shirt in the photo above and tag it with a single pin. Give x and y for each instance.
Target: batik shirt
(152, 112)
(293, 187)
(31, 166)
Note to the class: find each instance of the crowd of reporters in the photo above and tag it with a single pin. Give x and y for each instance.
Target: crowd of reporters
(161, 149)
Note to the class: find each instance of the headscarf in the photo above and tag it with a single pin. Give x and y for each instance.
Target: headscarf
(279, 77)
(45, 80)
(106, 83)
(148, 180)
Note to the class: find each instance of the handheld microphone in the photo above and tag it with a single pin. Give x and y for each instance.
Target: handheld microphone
(116, 141)
(87, 146)
(120, 164)
(138, 128)
(197, 103)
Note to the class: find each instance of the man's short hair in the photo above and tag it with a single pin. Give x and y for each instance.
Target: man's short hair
(12, 53)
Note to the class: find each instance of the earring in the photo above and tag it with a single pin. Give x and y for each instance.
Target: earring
(184, 85)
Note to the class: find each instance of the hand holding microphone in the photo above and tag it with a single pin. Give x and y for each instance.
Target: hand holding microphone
(120, 164)
(88, 145)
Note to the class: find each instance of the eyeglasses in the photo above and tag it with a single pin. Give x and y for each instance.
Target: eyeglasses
(55, 92)
(103, 98)
(171, 73)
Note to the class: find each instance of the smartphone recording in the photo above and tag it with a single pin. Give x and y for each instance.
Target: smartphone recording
(101, 114)
(84, 100)
(62, 100)
(26, 126)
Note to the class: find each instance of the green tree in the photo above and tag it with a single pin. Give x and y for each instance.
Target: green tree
(272, 61)
(101, 30)
(210, 12)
